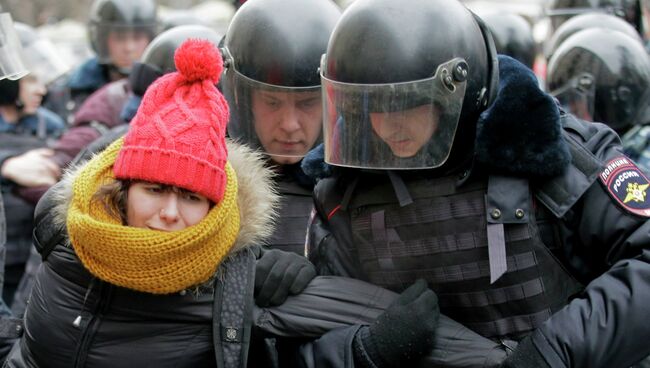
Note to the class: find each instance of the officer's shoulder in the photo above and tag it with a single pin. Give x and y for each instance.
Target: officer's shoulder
(597, 138)
(590, 145)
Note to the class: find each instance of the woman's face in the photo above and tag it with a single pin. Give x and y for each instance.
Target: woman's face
(160, 207)
(407, 131)
(30, 94)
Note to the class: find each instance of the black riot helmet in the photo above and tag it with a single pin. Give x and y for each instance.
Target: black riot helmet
(561, 10)
(403, 86)
(584, 21)
(180, 18)
(121, 16)
(513, 36)
(158, 58)
(273, 50)
(603, 76)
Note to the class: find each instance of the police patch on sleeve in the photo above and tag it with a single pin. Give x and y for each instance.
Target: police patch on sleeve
(627, 185)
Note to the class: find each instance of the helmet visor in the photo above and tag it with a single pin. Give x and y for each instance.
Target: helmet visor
(11, 64)
(577, 96)
(408, 125)
(284, 122)
(44, 62)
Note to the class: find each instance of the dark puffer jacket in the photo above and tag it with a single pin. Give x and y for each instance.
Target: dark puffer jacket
(76, 320)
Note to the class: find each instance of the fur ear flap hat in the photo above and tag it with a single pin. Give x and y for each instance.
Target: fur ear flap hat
(177, 137)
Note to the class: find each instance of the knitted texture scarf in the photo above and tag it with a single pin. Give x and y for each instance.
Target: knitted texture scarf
(146, 260)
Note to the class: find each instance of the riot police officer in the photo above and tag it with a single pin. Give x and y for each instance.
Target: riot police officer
(600, 75)
(119, 31)
(529, 224)
(273, 50)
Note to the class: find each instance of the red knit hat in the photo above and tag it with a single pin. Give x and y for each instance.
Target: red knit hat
(177, 135)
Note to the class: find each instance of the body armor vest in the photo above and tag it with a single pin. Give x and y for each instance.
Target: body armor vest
(294, 210)
(441, 236)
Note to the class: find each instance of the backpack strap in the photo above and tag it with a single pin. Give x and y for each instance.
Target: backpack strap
(232, 310)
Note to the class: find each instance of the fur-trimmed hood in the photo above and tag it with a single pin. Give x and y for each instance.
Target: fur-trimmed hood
(256, 196)
(520, 134)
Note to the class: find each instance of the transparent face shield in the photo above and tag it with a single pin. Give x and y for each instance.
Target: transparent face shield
(44, 62)
(284, 122)
(408, 125)
(577, 96)
(11, 65)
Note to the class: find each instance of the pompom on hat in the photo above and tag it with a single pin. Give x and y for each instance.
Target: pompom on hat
(177, 137)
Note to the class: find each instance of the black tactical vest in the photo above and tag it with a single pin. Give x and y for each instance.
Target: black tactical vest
(440, 234)
(294, 210)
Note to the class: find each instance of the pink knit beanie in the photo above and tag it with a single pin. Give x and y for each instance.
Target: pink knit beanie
(177, 135)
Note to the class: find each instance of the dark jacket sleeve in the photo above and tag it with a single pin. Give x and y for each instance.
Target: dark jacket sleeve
(607, 324)
(344, 305)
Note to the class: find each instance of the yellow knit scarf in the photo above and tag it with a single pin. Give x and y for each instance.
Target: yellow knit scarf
(146, 260)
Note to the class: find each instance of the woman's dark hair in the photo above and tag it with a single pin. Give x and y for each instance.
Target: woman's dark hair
(113, 197)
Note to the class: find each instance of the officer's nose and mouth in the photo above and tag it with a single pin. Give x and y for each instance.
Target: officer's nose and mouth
(406, 131)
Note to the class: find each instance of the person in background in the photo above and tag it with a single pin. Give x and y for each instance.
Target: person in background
(600, 75)
(12, 67)
(119, 31)
(26, 133)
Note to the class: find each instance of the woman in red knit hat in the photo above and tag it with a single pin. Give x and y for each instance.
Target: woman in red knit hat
(156, 268)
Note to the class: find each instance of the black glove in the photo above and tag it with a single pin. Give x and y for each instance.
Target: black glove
(525, 355)
(404, 332)
(278, 274)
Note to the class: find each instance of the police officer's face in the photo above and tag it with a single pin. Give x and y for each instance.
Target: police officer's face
(31, 92)
(159, 207)
(287, 124)
(126, 46)
(407, 131)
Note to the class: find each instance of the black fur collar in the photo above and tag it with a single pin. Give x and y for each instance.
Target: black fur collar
(519, 134)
